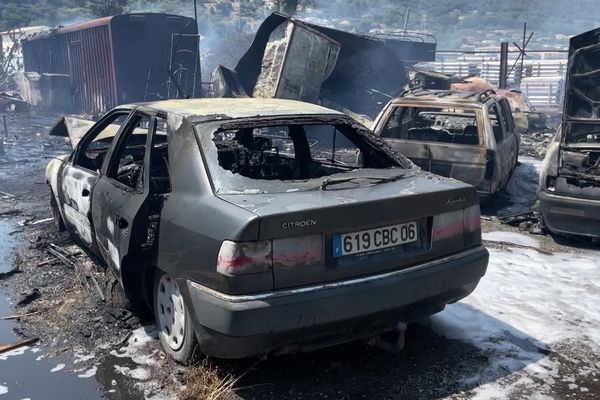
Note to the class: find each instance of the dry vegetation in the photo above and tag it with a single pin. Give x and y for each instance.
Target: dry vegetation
(205, 381)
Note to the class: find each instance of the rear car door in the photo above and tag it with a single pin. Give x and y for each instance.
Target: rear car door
(511, 132)
(120, 196)
(504, 154)
(79, 176)
(445, 140)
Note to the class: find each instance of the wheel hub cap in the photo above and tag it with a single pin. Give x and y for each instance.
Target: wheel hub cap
(171, 312)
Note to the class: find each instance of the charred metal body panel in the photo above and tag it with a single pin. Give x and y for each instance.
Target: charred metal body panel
(115, 60)
(461, 142)
(303, 292)
(570, 181)
(360, 72)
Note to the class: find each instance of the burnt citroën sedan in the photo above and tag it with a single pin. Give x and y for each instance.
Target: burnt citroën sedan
(254, 226)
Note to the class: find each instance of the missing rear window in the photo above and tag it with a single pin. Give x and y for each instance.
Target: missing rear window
(294, 152)
(268, 155)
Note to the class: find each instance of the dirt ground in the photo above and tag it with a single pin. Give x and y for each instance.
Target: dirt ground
(71, 318)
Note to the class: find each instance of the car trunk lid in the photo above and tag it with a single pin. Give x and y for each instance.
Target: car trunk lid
(308, 228)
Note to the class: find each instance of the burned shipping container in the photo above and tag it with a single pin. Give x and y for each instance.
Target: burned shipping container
(121, 59)
(293, 59)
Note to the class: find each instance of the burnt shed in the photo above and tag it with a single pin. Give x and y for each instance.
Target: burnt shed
(121, 59)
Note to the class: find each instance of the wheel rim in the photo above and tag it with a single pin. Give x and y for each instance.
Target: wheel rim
(171, 312)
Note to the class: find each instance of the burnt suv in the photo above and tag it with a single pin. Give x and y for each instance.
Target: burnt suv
(468, 136)
(251, 226)
(569, 193)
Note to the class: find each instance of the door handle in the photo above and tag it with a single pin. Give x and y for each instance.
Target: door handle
(85, 193)
(122, 223)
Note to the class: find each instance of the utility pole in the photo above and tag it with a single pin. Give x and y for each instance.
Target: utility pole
(406, 16)
(503, 79)
(522, 53)
(523, 50)
(197, 65)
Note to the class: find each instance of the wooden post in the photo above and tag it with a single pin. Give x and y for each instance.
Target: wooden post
(503, 74)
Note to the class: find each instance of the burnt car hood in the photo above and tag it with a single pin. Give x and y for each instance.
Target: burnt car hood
(582, 93)
(341, 209)
(578, 174)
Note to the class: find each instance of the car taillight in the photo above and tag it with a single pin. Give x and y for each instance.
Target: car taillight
(472, 224)
(447, 225)
(298, 251)
(472, 219)
(465, 223)
(237, 258)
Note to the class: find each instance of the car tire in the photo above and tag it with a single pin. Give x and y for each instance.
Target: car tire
(173, 321)
(58, 221)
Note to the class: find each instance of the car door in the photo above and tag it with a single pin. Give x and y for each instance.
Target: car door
(503, 153)
(120, 196)
(80, 174)
(511, 132)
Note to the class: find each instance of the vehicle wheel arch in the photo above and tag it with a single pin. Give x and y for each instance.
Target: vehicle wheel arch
(59, 220)
(137, 280)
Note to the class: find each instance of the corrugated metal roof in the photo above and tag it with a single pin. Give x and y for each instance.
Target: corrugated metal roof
(94, 23)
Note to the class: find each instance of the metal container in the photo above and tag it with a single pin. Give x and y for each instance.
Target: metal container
(121, 59)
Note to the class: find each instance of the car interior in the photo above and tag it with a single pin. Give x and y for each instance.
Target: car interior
(433, 125)
(295, 151)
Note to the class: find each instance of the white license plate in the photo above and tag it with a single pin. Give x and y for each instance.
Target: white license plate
(374, 239)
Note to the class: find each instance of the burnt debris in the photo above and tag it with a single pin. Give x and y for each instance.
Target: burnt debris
(295, 60)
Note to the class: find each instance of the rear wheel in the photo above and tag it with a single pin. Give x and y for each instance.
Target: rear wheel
(173, 321)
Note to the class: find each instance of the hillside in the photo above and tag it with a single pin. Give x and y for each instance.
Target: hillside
(449, 20)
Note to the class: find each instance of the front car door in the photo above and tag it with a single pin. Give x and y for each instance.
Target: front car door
(121, 193)
(81, 172)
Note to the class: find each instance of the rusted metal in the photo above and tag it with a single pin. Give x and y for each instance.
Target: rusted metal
(461, 142)
(364, 68)
(109, 59)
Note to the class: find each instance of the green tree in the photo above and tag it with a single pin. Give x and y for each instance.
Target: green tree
(20, 13)
(105, 8)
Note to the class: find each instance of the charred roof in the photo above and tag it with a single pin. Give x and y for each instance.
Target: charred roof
(446, 96)
(239, 108)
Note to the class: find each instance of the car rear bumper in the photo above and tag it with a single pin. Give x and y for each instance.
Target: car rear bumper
(310, 317)
(570, 215)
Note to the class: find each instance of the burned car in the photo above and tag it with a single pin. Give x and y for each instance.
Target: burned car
(569, 196)
(467, 136)
(252, 226)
